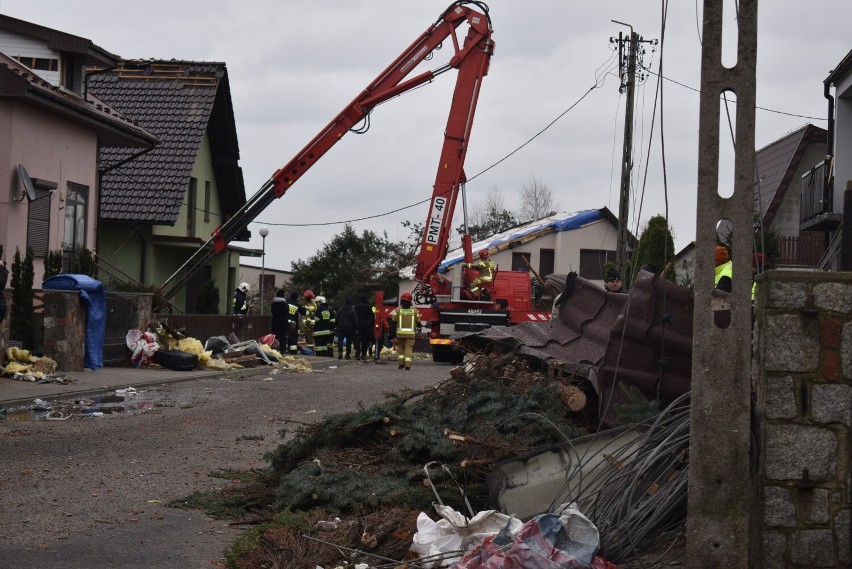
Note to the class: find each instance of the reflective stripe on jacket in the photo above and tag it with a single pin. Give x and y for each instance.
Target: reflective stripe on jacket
(407, 320)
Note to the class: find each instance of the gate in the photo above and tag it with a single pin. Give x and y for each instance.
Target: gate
(121, 317)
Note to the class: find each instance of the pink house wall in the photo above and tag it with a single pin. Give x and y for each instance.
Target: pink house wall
(51, 148)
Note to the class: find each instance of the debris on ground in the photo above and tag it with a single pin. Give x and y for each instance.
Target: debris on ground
(25, 366)
(495, 410)
(161, 346)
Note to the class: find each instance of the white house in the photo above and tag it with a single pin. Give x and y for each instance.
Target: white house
(582, 241)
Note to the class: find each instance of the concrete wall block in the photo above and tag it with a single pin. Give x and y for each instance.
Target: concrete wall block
(813, 548)
(815, 506)
(841, 530)
(773, 545)
(832, 403)
(834, 297)
(792, 448)
(778, 508)
(791, 343)
(787, 295)
(780, 398)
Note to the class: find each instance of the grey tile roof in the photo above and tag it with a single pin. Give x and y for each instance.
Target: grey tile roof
(776, 165)
(643, 338)
(175, 100)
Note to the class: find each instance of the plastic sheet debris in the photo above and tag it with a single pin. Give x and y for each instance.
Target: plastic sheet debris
(444, 541)
(328, 525)
(564, 539)
(40, 405)
(126, 391)
(142, 346)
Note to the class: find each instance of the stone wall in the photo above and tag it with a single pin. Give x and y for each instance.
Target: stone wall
(65, 329)
(803, 383)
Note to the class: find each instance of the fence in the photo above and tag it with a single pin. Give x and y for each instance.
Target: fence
(204, 326)
(804, 250)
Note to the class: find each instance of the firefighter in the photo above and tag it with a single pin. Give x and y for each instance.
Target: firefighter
(240, 302)
(297, 312)
(324, 323)
(407, 323)
(486, 268)
(310, 307)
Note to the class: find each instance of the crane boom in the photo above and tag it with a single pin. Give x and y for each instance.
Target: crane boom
(471, 59)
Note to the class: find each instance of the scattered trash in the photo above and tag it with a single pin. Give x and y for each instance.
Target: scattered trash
(328, 525)
(564, 539)
(126, 391)
(441, 542)
(332, 367)
(40, 405)
(56, 416)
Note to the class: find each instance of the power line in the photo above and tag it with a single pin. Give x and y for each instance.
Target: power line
(598, 83)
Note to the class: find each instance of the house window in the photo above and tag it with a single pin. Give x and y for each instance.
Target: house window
(192, 201)
(546, 260)
(38, 223)
(592, 263)
(518, 260)
(39, 63)
(207, 190)
(76, 212)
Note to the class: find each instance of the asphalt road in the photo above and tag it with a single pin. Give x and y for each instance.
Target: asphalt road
(91, 491)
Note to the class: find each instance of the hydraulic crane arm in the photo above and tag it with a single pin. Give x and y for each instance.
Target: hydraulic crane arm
(475, 53)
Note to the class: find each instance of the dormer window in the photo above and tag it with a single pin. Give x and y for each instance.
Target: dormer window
(39, 63)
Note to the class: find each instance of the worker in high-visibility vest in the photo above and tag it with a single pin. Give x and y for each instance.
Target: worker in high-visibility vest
(310, 307)
(486, 269)
(407, 324)
(723, 277)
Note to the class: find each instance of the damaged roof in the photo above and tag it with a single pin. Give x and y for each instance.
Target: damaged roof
(642, 339)
(179, 101)
(532, 230)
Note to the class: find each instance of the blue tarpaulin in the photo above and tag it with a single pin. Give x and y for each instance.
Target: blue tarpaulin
(92, 293)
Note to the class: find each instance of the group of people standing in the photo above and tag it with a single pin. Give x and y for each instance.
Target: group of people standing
(352, 325)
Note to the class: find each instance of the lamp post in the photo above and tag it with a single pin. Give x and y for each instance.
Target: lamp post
(263, 233)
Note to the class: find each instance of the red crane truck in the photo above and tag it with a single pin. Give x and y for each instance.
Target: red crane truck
(442, 299)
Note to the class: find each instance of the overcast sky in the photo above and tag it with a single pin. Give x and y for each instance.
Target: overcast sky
(294, 64)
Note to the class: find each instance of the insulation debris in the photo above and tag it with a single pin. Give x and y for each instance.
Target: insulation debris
(22, 362)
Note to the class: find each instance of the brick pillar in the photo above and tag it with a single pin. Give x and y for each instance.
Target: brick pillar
(65, 329)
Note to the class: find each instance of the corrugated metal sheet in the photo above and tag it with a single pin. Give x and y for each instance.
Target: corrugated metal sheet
(642, 338)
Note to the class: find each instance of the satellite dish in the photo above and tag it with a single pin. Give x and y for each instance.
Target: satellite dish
(29, 189)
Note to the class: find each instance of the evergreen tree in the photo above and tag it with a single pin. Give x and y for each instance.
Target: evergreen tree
(21, 316)
(656, 247)
(52, 263)
(350, 266)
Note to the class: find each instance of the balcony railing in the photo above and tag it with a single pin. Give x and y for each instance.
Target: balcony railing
(817, 200)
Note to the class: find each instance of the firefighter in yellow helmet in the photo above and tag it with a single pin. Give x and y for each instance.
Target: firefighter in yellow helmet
(407, 324)
(486, 269)
(309, 322)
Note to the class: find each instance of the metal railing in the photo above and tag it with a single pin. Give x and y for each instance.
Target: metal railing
(816, 196)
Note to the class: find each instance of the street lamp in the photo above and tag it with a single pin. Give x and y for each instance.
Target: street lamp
(263, 233)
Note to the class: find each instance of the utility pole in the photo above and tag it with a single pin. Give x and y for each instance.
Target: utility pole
(627, 73)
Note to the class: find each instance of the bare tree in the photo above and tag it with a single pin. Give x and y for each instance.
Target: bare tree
(489, 216)
(536, 200)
